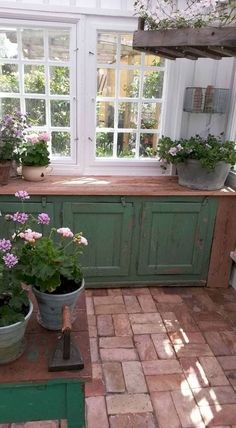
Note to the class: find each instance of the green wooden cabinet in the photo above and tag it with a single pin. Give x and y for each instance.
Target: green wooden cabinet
(108, 228)
(134, 240)
(173, 238)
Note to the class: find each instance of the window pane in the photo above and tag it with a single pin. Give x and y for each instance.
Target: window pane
(60, 113)
(32, 44)
(106, 48)
(59, 45)
(105, 114)
(9, 105)
(128, 55)
(59, 80)
(104, 144)
(126, 145)
(129, 83)
(128, 115)
(8, 43)
(34, 79)
(153, 60)
(106, 82)
(9, 79)
(152, 84)
(61, 143)
(148, 145)
(150, 115)
(37, 111)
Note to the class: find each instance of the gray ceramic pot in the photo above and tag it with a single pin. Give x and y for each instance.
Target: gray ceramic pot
(12, 341)
(192, 174)
(50, 307)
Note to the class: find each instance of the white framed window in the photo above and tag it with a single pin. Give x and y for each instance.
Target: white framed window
(37, 62)
(105, 115)
(129, 98)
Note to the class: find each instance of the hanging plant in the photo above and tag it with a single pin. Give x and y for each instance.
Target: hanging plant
(165, 14)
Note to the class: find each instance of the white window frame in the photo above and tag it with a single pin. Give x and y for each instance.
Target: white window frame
(122, 166)
(27, 24)
(84, 90)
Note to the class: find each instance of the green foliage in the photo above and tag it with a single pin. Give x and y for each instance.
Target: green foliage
(43, 263)
(35, 79)
(208, 151)
(35, 154)
(13, 299)
(104, 144)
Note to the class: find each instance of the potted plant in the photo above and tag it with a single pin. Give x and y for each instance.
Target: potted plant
(202, 163)
(34, 156)
(15, 306)
(12, 134)
(49, 262)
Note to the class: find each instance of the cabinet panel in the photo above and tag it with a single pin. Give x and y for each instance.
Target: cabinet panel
(8, 228)
(173, 235)
(108, 228)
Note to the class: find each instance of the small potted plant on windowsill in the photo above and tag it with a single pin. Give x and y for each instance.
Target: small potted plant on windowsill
(12, 134)
(201, 163)
(34, 156)
(48, 262)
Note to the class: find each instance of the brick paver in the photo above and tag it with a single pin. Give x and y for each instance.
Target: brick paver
(161, 358)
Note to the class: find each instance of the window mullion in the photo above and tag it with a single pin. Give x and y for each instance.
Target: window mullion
(21, 71)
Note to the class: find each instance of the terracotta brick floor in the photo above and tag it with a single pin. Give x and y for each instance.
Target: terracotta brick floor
(162, 357)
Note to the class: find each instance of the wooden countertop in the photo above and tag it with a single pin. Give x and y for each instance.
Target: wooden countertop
(32, 366)
(108, 185)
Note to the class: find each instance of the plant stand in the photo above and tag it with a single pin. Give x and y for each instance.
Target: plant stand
(28, 392)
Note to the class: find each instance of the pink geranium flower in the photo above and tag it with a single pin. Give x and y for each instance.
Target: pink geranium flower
(65, 232)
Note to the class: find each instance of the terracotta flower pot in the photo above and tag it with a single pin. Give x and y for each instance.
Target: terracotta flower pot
(5, 168)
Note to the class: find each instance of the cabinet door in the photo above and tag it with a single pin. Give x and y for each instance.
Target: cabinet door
(108, 228)
(173, 237)
(8, 228)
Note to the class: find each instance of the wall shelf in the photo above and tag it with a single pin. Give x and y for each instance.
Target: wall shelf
(191, 43)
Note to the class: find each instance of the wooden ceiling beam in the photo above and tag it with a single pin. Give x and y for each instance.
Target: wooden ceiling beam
(205, 53)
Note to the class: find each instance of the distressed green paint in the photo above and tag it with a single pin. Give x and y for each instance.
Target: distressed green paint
(136, 238)
(172, 238)
(43, 401)
(108, 228)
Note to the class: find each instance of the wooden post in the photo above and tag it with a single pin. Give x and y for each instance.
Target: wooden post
(224, 242)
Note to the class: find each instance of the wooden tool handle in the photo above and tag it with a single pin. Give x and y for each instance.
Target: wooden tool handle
(66, 323)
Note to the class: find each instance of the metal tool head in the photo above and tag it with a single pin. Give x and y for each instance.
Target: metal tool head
(59, 363)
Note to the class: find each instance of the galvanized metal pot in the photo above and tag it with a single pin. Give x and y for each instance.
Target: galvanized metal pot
(50, 307)
(191, 174)
(12, 342)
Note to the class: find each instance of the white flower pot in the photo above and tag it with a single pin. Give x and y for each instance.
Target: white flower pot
(12, 343)
(35, 173)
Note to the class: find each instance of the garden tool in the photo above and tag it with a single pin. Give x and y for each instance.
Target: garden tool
(66, 355)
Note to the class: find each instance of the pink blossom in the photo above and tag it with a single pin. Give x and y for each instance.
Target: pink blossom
(22, 194)
(44, 136)
(32, 138)
(43, 218)
(80, 240)
(65, 232)
(29, 235)
(10, 260)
